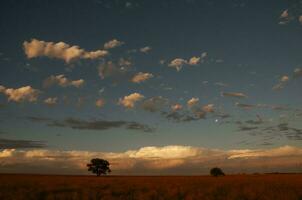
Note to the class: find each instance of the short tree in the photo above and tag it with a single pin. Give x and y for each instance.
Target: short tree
(216, 172)
(99, 166)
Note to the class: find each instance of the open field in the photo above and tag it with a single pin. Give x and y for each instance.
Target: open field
(232, 187)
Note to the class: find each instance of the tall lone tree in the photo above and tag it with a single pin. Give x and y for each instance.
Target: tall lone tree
(216, 172)
(99, 166)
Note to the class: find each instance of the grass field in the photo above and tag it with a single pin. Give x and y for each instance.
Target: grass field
(232, 187)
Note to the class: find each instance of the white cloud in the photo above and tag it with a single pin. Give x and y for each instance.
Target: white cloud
(153, 160)
(130, 100)
(192, 102)
(113, 43)
(26, 93)
(145, 49)
(62, 81)
(51, 101)
(36, 48)
(177, 63)
(204, 55)
(141, 77)
(194, 61)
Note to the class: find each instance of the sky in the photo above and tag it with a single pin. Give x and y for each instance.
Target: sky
(154, 87)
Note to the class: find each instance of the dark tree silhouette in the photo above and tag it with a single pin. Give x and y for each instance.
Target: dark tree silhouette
(99, 166)
(216, 172)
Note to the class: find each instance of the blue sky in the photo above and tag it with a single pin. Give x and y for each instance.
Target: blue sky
(113, 76)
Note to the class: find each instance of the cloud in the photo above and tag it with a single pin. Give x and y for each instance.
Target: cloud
(177, 63)
(130, 100)
(245, 106)
(62, 81)
(116, 70)
(112, 44)
(20, 144)
(192, 102)
(284, 14)
(209, 108)
(92, 125)
(154, 104)
(37, 48)
(179, 117)
(234, 94)
(141, 77)
(172, 159)
(176, 107)
(26, 93)
(51, 101)
(100, 103)
(194, 61)
(176, 115)
(204, 55)
(145, 49)
(221, 84)
(282, 82)
(277, 152)
(297, 73)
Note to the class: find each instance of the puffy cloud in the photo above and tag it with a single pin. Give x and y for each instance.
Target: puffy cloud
(192, 102)
(130, 100)
(145, 49)
(176, 107)
(95, 54)
(51, 101)
(234, 94)
(36, 48)
(177, 63)
(173, 159)
(113, 43)
(62, 81)
(284, 14)
(26, 93)
(209, 108)
(284, 78)
(154, 104)
(194, 61)
(141, 77)
(100, 103)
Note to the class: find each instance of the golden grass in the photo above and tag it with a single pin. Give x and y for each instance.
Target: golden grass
(232, 187)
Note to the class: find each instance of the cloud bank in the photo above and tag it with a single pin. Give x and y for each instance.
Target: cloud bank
(173, 159)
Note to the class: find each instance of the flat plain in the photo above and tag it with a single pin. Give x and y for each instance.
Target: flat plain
(230, 187)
